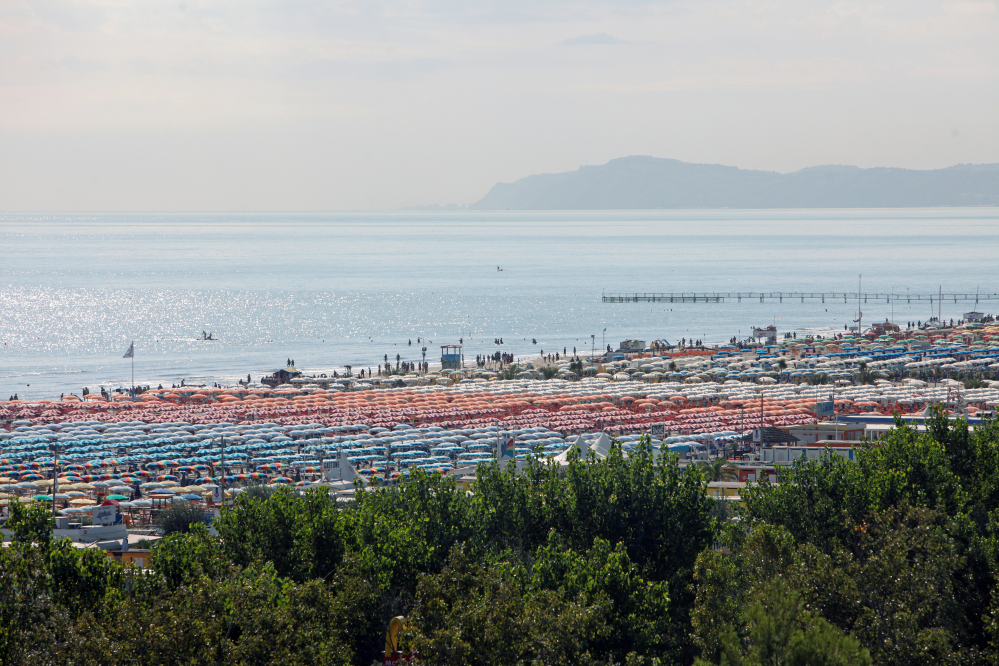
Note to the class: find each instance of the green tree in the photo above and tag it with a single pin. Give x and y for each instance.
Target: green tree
(817, 379)
(776, 629)
(660, 513)
(639, 609)
(179, 517)
(473, 611)
(893, 587)
(26, 609)
(46, 585)
(645, 501)
(257, 491)
(568, 609)
(909, 522)
(865, 375)
(400, 533)
(249, 616)
(719, 469)
(301, 535)
(185, 557)
(509, 372)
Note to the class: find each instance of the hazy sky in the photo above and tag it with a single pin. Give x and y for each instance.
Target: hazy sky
(309, 104)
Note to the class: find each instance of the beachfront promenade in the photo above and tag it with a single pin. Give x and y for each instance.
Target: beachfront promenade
(846, 297)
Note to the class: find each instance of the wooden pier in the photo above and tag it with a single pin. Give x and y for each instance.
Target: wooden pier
(762, 297)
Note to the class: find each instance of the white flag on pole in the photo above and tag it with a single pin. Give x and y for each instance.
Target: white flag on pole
(131, 351)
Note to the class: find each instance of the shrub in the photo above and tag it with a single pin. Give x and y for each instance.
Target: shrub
(179, 518)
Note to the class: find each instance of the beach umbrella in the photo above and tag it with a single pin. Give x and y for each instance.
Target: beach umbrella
(42, 498)
(282, 479)
(192, 497)
(117, 497)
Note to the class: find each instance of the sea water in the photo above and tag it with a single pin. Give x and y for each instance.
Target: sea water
(334, 289)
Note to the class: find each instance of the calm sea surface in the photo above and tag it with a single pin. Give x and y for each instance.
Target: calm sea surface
(330, 289)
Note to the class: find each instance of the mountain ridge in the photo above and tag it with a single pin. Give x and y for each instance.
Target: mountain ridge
(644, 182)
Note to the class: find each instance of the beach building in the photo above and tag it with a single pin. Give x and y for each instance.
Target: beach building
(768, 334)
(451, 358)
(770, 436)
(788, 454)
(809, 433)
(726, 490)
(755, 472)
(107, 524)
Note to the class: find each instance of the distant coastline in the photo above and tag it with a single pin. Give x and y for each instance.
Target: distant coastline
(641, 182)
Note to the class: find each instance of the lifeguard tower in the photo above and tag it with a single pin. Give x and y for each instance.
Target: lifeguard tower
(451, 357)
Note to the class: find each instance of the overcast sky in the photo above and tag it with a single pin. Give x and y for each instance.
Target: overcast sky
(309, 104)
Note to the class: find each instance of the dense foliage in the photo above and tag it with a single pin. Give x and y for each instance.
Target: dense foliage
(891, 559)
(179, 517)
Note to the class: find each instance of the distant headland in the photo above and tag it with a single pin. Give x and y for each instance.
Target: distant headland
(641, 182)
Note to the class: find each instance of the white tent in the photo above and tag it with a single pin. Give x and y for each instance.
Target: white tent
(580, 443)
(602, 445)
(341, 470)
